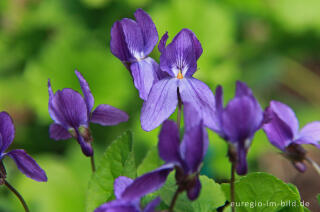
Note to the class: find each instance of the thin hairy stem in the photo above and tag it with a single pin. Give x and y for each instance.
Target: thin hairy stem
(174, 199)
(233, 169)
(13, 190)
(93, 166)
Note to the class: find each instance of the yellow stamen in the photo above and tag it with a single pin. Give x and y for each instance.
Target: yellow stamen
(180, 76)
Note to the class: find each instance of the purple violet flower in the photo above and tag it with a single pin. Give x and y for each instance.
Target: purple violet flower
(128, 192)
(132, 42)
(25, 163)
(72, 113)
(186, 157)
(238, 122)
(282, 130)
(179, 61)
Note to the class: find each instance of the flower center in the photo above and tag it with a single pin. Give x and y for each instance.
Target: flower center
(180, 76)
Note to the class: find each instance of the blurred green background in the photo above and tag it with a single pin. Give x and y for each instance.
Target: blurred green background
(272, 45)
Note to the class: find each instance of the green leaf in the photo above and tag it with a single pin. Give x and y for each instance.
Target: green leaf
(264, 192)
(227, 209)
(118, 160)
(211, 196)
(306, 209)
(318, 197)
(150, 162)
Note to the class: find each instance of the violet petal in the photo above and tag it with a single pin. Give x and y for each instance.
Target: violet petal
(241, 119)
(310, 134)
(118, 43)
(58, 132)
(196, 44)
(118, 206)
(7, 131)
(195, 141)
(68, 108)
(169, 142)
(242, 89)
(163, 42)
(27, 165)
(242, 166)
(219, 110)
(144, 73)
(133, 38)
(120, 184)
(287, 115)
(161, 103)
(107, 115)
(88, 97)
(277, 131)
(147, 183)
(202, 99)
(179, 55)
(148, 29)
(152, 205)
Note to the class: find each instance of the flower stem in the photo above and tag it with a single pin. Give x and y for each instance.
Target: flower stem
(314, 164)
(233, 168)
(93, 166)
(174, 199)
(11, 188)
(233, 160)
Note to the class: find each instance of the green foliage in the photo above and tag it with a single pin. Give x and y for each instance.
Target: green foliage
(150, 162)
(211, 196)
(118, 160)
(265, 189)
(96, 3)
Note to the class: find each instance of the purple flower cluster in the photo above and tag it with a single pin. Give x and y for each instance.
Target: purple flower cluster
(185, 157)
(169, 84)
(163, 87)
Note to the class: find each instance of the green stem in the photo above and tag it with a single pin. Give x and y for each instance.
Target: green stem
(233, 168)
(174, 199)
(93, 166)
(13, 190)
